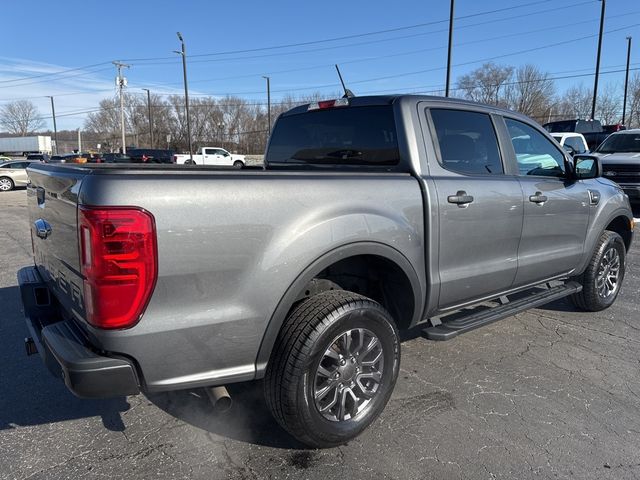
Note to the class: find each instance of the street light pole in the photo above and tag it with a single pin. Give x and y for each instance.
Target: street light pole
(55, 129)
(183, 52)
(268, 103)
(150, 117)
(121, 82)
(446, 91)
(626, 80)
(595, 84)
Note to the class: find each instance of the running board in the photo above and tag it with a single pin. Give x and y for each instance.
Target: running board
(450, 329)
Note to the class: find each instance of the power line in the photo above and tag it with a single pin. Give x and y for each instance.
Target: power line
(416, 72)
(392, 55)
(342, 46)
(347, 37)
(59, 78)
(55, 73)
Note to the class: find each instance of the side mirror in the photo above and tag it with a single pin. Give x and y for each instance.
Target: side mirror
(587, 166)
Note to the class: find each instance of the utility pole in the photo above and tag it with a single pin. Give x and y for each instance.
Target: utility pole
(626, 80)
(268, 104)
(79, 141)
(446, 91)
(150, 117)
(55, 129)
(121, 82)
(183, 52)
(595, 84)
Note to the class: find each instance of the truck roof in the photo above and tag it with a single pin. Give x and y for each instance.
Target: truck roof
(371, 100)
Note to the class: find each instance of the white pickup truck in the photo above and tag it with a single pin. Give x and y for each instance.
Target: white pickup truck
(212, 156)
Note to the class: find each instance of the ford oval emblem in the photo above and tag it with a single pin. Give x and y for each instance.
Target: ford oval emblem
(610, 173)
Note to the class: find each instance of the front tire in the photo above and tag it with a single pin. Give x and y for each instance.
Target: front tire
(602, 279)
(6, 184)
(333, 368)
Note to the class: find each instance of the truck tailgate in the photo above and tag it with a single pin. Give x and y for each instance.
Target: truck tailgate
(52, 197)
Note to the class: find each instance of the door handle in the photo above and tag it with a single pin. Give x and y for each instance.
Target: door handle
(538, 198)
(460, 198)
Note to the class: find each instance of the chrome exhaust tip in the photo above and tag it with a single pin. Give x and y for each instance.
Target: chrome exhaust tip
(220, 399)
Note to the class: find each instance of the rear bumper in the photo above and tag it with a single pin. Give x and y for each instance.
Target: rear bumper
(65, 350)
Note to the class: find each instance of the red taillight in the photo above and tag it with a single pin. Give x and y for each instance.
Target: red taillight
(175, 159)
(324, 104)
(118, 259)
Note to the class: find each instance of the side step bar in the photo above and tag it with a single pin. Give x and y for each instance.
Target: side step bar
(450, 329)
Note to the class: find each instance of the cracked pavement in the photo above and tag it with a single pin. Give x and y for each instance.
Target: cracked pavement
(549, 393)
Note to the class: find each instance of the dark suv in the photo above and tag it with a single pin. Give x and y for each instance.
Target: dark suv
(150, 155)
(38, 157)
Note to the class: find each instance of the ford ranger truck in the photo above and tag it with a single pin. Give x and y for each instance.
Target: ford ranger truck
(372, 215)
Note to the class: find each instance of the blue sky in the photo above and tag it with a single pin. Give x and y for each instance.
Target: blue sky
(229, 45)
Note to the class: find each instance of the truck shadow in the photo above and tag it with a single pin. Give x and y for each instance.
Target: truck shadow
(248, 420)
(30, 395)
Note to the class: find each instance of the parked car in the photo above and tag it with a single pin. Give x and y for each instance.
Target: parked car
(592, 130)
(212, 156)
(38, 157)
(13, 174)
(575, 143)
(617, 127)
(150, 155)
(620, 157)
(373, 215)
(116, 158)
(81, 158)
(5, 159)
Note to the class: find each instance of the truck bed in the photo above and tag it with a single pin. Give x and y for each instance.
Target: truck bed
(223, 236)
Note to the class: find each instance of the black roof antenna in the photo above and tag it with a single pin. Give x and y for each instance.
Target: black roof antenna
(347, 93)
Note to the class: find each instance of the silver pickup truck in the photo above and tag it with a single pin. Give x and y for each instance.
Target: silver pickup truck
(372, 215)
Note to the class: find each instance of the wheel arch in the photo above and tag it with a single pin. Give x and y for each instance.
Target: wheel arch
(622, 226)
(387, 257)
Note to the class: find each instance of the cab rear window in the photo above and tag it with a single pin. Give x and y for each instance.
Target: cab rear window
(336, 136)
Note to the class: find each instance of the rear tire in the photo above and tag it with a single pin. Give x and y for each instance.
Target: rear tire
(333, 368)
(238, 164)
(189, 162)
(6, 184)
(602, 279)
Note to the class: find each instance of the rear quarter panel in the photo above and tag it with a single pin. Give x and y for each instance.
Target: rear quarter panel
(230, 245)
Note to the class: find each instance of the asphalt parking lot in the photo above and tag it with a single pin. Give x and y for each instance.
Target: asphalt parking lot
(550, 393)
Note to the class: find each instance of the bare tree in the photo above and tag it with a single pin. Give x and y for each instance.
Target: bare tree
(486, 84)
(608, 108)
(531, 93)
(633, 105)
(21, 117)
(575, 102)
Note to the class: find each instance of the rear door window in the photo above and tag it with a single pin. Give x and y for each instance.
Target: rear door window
(467, 142)
(337, 136)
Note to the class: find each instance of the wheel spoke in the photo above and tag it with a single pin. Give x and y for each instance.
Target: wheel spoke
(324, 372)
(331, 404)
(331, 353)
(331, 384)
(358, 348)
(371, 363)
(354, 402)
(342, 406)
(375, 376)
(346, 343)
(372, 344)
